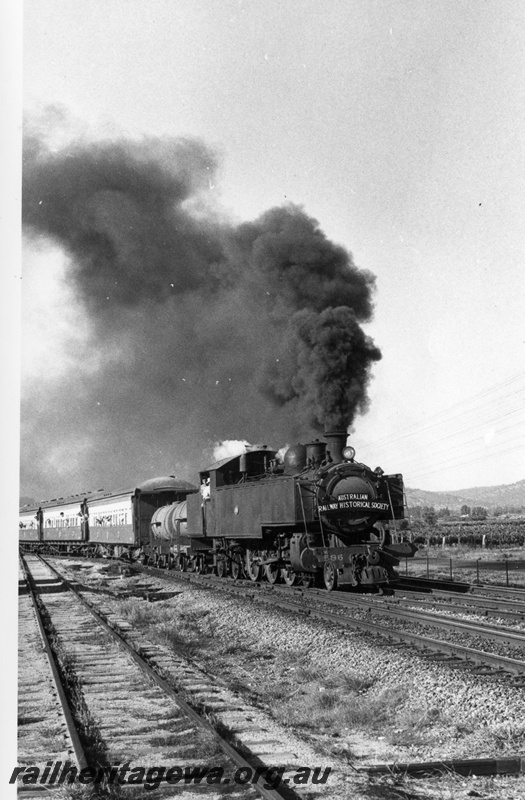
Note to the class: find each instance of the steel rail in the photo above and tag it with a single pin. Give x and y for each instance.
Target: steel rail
(409, 583)
(421, 596)
(68, 716)
(497, 634)
(512, 665)
(231, 752)
(436, 585)
(462, 597)
(513, 593)
(392, 607)
(466, 605)
(499, 765)
(500, 663)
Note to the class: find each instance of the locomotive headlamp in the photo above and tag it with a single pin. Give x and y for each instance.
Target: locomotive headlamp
(348, 453)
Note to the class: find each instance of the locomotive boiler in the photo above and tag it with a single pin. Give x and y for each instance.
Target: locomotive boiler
(319, 517)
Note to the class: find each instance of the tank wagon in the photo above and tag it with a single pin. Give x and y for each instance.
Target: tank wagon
(115, 523)
(321, 516)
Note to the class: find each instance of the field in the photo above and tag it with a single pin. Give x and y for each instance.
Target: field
(474, 553)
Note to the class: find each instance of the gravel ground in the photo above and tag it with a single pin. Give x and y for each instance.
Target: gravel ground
(356, 700)
(473, 716)
(459, 608)
(465, 638)
(374, 612)
(470, 615)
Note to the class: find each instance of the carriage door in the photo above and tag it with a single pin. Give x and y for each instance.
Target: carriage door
(83, 516)
(144, 509)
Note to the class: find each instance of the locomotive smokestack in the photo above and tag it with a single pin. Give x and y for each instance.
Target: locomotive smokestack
(335, 441)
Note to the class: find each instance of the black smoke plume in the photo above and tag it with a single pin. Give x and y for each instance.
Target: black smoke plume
(202, 329)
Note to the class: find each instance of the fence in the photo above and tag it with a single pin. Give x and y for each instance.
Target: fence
(456, 565)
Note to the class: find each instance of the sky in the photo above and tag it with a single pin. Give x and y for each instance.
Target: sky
(396, 125)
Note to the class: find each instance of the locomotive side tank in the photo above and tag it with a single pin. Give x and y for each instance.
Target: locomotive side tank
(319, 516)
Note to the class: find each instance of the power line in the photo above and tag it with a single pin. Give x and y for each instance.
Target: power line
(469, 406)
(461, 444)
(451, 466)
(471, 433)
(457, 425)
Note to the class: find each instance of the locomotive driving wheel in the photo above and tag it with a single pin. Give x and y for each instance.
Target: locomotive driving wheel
(272, 572)
(289, 576)
(329, 576)
(253, 567)
(222, 566)
(191, 564)
(236, 567)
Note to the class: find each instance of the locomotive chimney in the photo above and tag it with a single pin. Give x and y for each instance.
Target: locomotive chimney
(335, 441)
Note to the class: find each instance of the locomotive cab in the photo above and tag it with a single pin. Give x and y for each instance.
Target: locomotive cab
(209, 512)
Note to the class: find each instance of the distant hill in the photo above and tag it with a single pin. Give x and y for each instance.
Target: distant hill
(512, 494)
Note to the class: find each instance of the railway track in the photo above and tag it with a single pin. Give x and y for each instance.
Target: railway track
(407, 583)
(306, 601)
(434, 585)
(123, 719)
(454, 657)
(488, 590)
(403, 610)
(499, 607)
(481, 601)
(46, 728)
(399, 609)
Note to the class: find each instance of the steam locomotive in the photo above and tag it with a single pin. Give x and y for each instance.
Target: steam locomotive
(319, 516)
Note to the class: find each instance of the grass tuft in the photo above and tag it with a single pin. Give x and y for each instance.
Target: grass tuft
(509, 737)
(185, 626)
